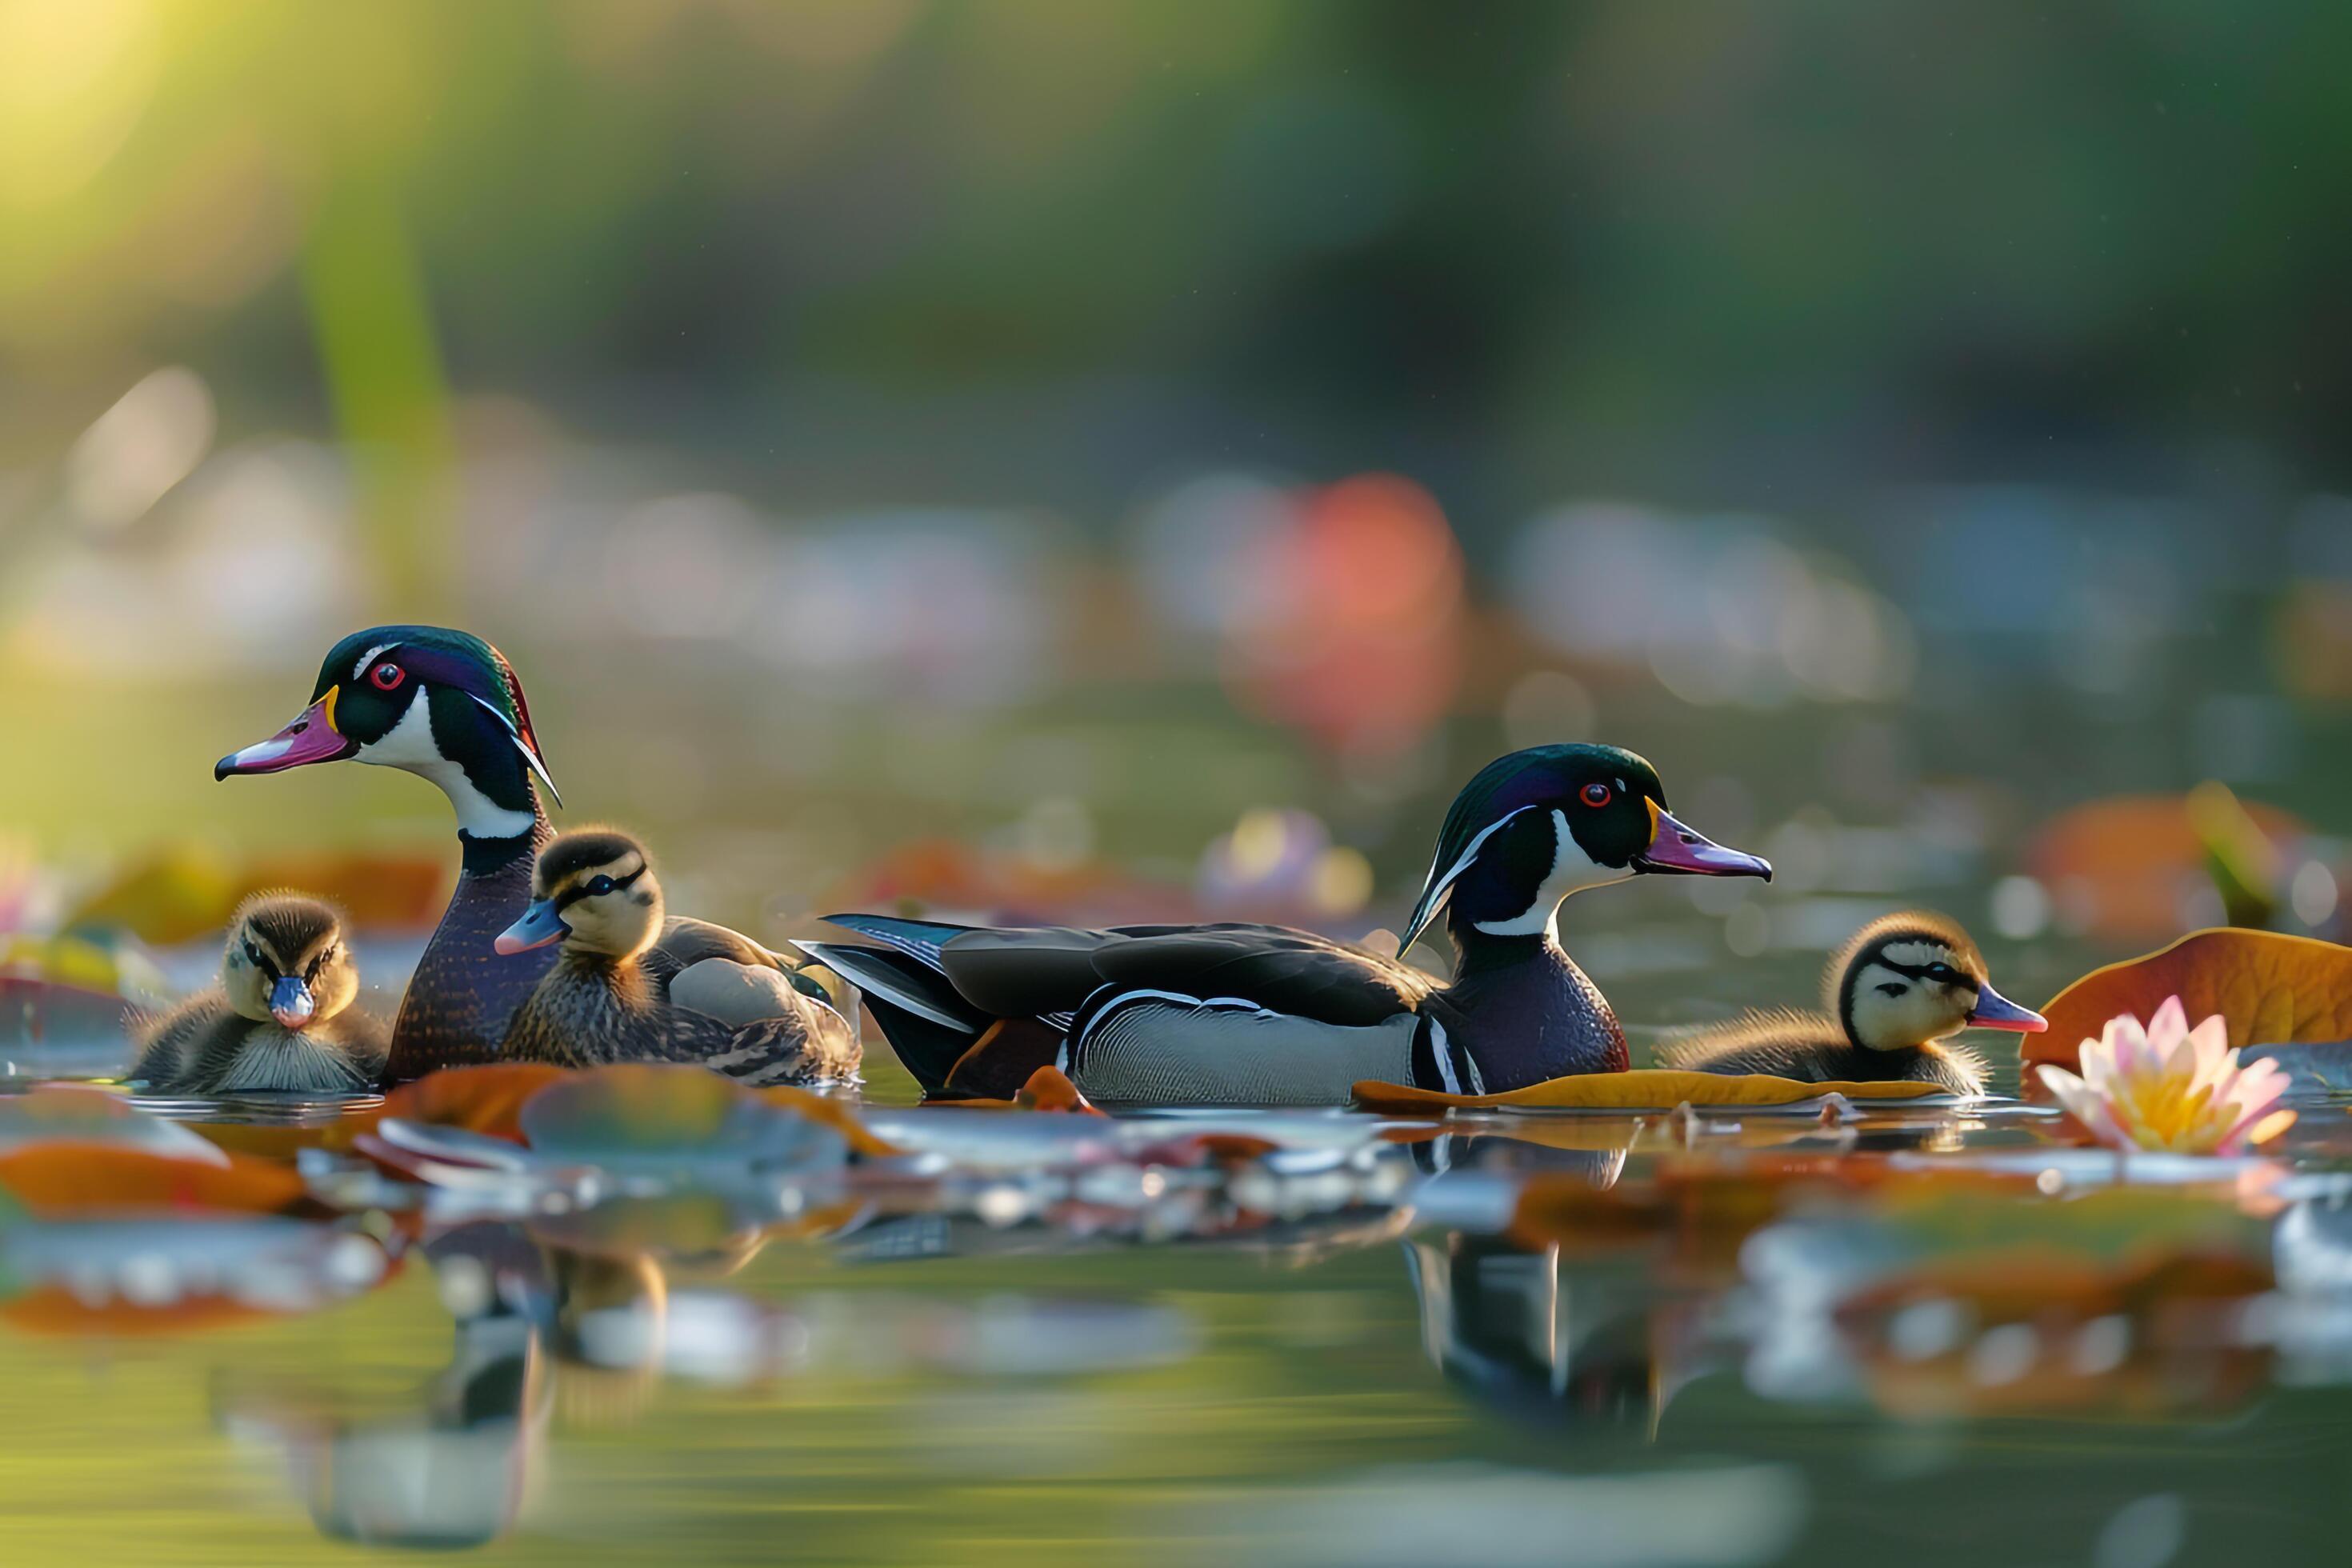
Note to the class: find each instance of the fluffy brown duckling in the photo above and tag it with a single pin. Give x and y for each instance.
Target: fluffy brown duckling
(707, 994)
(281, 1017)
(1897, 993)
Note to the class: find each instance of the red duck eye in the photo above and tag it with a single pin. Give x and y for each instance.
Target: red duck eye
(1596, 794)
(387, 675)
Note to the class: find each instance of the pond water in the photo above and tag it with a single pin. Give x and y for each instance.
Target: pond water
(1922, 1333)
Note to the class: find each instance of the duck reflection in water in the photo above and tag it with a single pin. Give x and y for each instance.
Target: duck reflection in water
(541, 1328)
(446, 1465)
(1504, 1324)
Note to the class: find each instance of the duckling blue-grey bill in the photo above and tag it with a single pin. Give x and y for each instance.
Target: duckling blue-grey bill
(291, 1003)
(539, 925)
(1995, 1011)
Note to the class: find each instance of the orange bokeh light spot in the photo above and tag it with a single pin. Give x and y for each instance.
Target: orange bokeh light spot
(1357, 634)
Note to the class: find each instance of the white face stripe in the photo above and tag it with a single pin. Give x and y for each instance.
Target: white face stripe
(410, 747)
(1572, 872)
(1437, 890)
(369, 656)
(522, 747)
(1918, 954)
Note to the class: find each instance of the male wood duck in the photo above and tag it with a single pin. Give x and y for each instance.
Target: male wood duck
(1897, 993)
(614, 996)
(1240, 1014)
(280, 1019)
(446, 706)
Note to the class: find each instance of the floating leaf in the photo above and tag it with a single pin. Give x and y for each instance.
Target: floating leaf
(834, 1113)
(2120, 1298)
(2271, 990)
(485, 1100)
(272, 1140)
(1048, 1089)
(56, 1309)
(1643, 1089)
(62, 1178)
(151, 1273)
(62, 1114)
(1012, 1139)
(672, 1117)
(667, 1225)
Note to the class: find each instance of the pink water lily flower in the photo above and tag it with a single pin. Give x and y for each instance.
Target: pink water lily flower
(2172, 1088)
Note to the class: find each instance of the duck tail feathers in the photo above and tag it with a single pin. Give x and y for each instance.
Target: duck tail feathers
(902, 981)
(927, 1025)
(918, 940)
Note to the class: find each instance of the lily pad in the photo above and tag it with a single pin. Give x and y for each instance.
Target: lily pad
(95, 1117)
(1048, 1089)
(152, 1274)
(638, 1119)
(2273, 990)
(839, 1115)
(1643, 1089)
(488, 1100)
(64, 1178)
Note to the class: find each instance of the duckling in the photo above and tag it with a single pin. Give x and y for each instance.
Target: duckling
(281, 1017)
(1896, 992)
(614, 996)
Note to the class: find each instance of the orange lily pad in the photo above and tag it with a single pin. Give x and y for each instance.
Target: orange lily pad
(1643, 1088)
(56, 1309)
(2176, 1361)
(486, 1099)
(272, 1140)
(58, 1179)
(2273, 990)
(1048, 1089)
(835, 1114)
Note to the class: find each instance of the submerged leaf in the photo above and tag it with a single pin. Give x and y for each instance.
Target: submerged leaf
(65, 1178)
(2269, 989)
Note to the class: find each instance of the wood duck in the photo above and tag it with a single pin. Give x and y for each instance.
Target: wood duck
(1896, 992)
(1253, 1013)
(281, 1017)
(446, 706)
(614, 996)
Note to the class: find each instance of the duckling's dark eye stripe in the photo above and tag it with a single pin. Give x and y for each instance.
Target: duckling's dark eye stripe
(1942, 972)
(572, 896)
(268, 969)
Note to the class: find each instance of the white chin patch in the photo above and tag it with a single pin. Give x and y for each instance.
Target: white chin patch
(1572, 872)
(409, 746)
